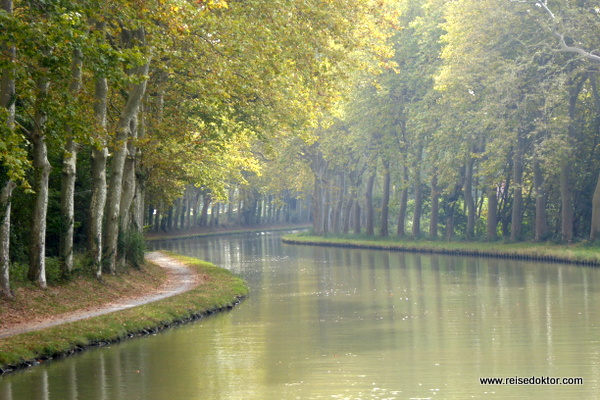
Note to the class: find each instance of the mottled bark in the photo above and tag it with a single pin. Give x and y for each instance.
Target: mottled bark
(492, 214)
(337, 213)
(69, 175)
(98, 160)
(129, 181)
(541, 218)
(7, 91)
(348, 212)
(5, 198)
(204, 212)
(595, 225)
(516, 222)
(469, 201)
(356, 218)
(113, 209)
(369, 211)
(435, 207)
(41, 179)
(566, 202)
(566, 186)
(385, 201)
(401, 231)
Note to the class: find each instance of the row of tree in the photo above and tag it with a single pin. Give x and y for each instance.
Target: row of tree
(477, 118)
(490, 129)
(110, 110)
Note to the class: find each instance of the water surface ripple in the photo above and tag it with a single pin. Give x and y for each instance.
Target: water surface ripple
(338, 323)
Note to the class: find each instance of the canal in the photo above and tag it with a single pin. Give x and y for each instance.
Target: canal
(333, 323)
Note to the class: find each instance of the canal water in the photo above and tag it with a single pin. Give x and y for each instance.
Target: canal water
(332, 323)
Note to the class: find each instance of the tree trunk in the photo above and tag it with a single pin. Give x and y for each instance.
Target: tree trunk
(595, 225)
(129, 181)
(337, 215)
(450, 222)
(401, 231)
(204, 213)
(385, 201)
(566, 187)
(492, 214)
(7, 91)
(356, 218)
(369, 211)
(516, 223)
(5, 197)
(348, 213)
(98, 170)
(69, 175)
(541, 219)
(128, 189)
(469, 202)
(595, 222)
(113, 209)
(435, 207)
(42, 167)
(416, 226)
(566, 199)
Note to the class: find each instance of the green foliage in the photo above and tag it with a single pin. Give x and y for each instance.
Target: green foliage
(18, 272)
(133, 245)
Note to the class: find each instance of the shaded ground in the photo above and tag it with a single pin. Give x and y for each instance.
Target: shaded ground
(178, 279)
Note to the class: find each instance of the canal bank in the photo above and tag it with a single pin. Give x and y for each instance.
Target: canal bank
(583, 253)
(206, 289)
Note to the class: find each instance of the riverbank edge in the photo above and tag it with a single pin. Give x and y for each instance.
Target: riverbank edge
(223, 232)
(220, 290)
(531, 253)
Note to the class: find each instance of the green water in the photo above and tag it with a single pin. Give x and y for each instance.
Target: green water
(327, 323)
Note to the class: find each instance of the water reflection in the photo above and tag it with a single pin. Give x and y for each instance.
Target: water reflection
(356, 324)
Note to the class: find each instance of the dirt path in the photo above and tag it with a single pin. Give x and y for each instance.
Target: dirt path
(179, 279)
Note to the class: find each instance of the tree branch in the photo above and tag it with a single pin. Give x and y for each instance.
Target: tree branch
(561, 39)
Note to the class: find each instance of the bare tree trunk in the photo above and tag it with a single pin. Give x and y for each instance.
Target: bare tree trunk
(435, 207)
(541, 219)
(7, 92)
(566, 199)
(369, 211)
(517, 209)
(595, 226)
(595, 223)
(69, 175)
(204, 213)
(356, 218)
(348, 212)
(98, 170)
(113, 209)
(385, 201)
(566, 187)
(5, 197)
(129, 181)
(42, 167)
(492, 215)
(401, 231)
(337, 215)
(469, 202)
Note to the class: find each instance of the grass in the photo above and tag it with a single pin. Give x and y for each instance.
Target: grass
(219, 289)
(582, 253)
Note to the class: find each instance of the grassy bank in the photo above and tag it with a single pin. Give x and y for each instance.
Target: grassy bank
(219, 289)
(582, 253)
